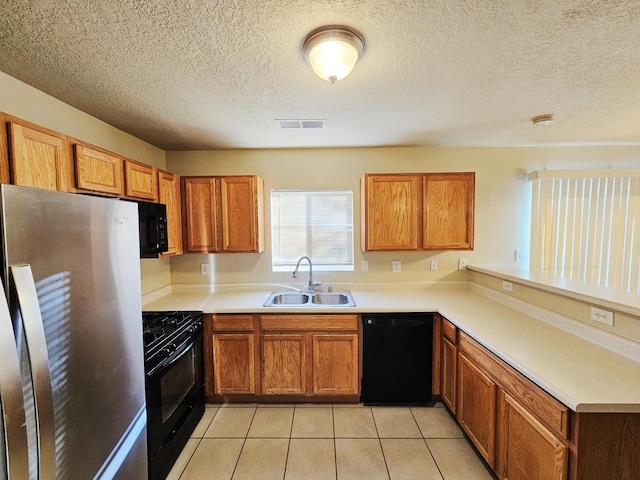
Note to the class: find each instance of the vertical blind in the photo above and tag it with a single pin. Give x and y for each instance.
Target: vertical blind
(585, 226)
(317, 224)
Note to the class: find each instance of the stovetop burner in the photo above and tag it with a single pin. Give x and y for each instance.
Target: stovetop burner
(164, 331)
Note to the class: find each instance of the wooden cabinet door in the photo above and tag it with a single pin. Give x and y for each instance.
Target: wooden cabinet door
(98, 171)
(529, 450)
(477, 407)
(233, 363)
(169, 194)
(200, 214)
(4, 151)
(242, 217)
(39, 159)
(448, 201)
(335, 364)
(449, 374)
(391, 212)
(141, 181)
(283, 364)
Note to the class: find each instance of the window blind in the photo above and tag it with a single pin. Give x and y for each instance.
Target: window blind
(317, 224)
(585, 226)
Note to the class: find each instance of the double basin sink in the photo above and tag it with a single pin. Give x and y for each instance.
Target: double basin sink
(310, 299)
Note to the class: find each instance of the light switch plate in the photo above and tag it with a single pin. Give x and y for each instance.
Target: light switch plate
(433, 265)
(462, 264)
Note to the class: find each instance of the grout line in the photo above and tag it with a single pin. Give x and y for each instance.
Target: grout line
(244, 441)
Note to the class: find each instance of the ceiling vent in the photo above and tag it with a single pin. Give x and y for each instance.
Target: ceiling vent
(303, 124)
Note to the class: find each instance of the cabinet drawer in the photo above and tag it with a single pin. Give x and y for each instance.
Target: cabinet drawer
(233, 323)
(309, 323)
(548, 410)
(449, 331)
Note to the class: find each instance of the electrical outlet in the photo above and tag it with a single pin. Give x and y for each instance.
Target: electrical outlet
(204, 269)
(507, 286)
(433, 266)
(521, 255)
(364, 265)
(396, 266)
(602, 316)
(462, 264)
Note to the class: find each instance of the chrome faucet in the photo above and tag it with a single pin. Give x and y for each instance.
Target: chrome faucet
(312, 285)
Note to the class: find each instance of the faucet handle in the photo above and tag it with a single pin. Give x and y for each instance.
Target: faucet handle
(313, 286)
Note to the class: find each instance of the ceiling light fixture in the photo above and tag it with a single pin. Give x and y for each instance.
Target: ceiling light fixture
(543, 120)
(333, 51)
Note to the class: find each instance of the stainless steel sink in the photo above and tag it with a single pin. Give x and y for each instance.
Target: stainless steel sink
(310, 300)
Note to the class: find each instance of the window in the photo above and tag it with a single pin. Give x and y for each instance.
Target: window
(317, 224)
(585, 226)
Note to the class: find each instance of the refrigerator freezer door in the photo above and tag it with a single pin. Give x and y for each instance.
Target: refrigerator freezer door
(13, 434)
(84, 256)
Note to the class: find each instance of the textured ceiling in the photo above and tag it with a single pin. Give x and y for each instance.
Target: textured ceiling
(196, 74)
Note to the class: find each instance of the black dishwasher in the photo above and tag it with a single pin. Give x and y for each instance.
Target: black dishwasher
(397, 358)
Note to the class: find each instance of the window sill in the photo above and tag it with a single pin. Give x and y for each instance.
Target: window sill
(600, 296)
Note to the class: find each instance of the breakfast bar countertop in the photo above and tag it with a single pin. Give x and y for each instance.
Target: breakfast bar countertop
(577, 364)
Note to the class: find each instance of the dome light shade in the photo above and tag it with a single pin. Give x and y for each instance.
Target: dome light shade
(332, 52)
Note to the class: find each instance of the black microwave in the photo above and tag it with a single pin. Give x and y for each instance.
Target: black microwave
(152, 219)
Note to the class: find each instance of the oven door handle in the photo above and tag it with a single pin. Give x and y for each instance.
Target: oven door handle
(184, 348)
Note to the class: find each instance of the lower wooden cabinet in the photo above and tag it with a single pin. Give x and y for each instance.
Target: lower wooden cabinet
(283, 364)
(284, 355)
(335, 364)
(449, 365)
(477, 407)
(530, 451)
(233, 363)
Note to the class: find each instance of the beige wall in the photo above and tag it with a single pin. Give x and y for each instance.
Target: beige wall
(502, 205)
(25, 102)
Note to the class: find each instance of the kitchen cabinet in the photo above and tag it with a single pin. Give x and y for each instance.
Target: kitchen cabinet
(140, 181)
(39, 158)
(477, 397)
(314, 354)
(223, 214)
(169, 194)
(530, 450)
(98, 171)
(449, 365)
(421, 211)
(283, 364)
(4, 150)
(229, 355)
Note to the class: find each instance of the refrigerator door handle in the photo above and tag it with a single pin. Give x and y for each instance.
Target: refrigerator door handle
(11, 399)
(27, 297)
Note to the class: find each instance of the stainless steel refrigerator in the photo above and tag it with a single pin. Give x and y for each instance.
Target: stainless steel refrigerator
(71, 362)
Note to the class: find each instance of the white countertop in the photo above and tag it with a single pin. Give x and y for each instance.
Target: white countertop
(581, 374)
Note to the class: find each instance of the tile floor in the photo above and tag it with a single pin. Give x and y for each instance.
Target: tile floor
(339, 442)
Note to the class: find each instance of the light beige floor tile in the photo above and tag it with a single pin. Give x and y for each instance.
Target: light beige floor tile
(350, 405)
(262, 458)
(409, 459)
(214, 459)
(276, 405)
(354, 423)
(272, 422)
(183, 459)
(230, 423)
(395, 422)
(239, 405)
(311, 459)
(360, 458)
(436, 423)
(312, 423)
(204, 422)
(457, 460)
(314, 405)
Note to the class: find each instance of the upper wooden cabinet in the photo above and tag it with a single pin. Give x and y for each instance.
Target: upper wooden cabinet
(4, 150)
(417, 211)
(39, 158)
(447, 211)
(98, 171)
(391, 211)
(169, 194)
(140, 181)
(223, 214)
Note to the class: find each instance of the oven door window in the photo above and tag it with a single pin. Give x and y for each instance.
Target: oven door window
(176, 384)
